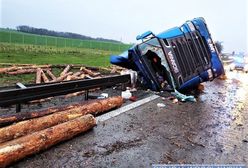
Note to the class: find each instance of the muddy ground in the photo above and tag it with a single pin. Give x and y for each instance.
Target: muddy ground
(212, 130)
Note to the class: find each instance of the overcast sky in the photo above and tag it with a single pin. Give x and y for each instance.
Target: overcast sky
(125, 19)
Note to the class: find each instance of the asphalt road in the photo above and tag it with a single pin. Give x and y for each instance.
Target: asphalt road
(212, 130)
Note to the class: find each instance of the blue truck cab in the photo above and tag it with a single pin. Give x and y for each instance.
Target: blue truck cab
(179, 58)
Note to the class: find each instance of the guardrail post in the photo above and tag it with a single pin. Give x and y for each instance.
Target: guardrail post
(86, 95)
(19, 106)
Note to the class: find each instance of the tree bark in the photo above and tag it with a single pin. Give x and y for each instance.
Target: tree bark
(51, 75)
(37, 124)
(19, 148)
(38, 75)
(65, 71)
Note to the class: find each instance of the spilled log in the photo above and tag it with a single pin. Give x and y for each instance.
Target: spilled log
(19, 148)
(44, 77)
(61, 78)
(16, 68)
(21, 71)
(38, 76)
(89, 72)
(11, 118)
(51, 75)
(26, 127)
(66, 70)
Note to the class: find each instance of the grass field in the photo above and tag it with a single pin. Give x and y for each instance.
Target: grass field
(10, 36)
(23, 48)
(32, 54)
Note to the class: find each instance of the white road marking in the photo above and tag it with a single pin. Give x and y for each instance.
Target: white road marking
(123, 109)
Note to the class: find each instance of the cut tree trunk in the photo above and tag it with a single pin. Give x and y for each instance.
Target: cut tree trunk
(44, 77)
(4, 70)
(87, 71)
(37, 124)
(65, 71)
(74, 94)
(38, 75)
(61, 78)
(22, 71)
(40, 100)
(51, 75)
(19, 148)
(15, 68)
(74, 76)
(11, 118)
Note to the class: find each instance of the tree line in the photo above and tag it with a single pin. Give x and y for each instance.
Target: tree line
(42, 31)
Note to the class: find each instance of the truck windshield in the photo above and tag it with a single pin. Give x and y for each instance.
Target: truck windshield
(152, 45)
(152, 51)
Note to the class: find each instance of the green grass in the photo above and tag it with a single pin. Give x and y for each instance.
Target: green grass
(32, 54)
(11, 36)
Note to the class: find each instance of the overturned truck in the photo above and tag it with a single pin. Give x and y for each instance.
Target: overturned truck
(179, 58)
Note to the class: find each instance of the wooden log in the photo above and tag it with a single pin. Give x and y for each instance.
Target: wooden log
(40, 100)
(19, 148)
(26, 127)
(87, 71)
(65, 71)
(74, 94)
(11, 118)
(21, 71)
(15, 68)
(38, 75)
(4, 70)
(82, 76)
(44, 77)
(79, 93)
(74, 76)
(68, 78)
(61, 78)
(77, 73)
(51, 75)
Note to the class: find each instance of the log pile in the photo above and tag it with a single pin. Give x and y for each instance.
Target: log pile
(45, 74)
(36, 131)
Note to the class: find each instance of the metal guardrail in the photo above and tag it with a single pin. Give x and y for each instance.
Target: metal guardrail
(34, 92)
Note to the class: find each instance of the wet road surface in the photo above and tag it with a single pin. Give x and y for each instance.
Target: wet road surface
(213, 130)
